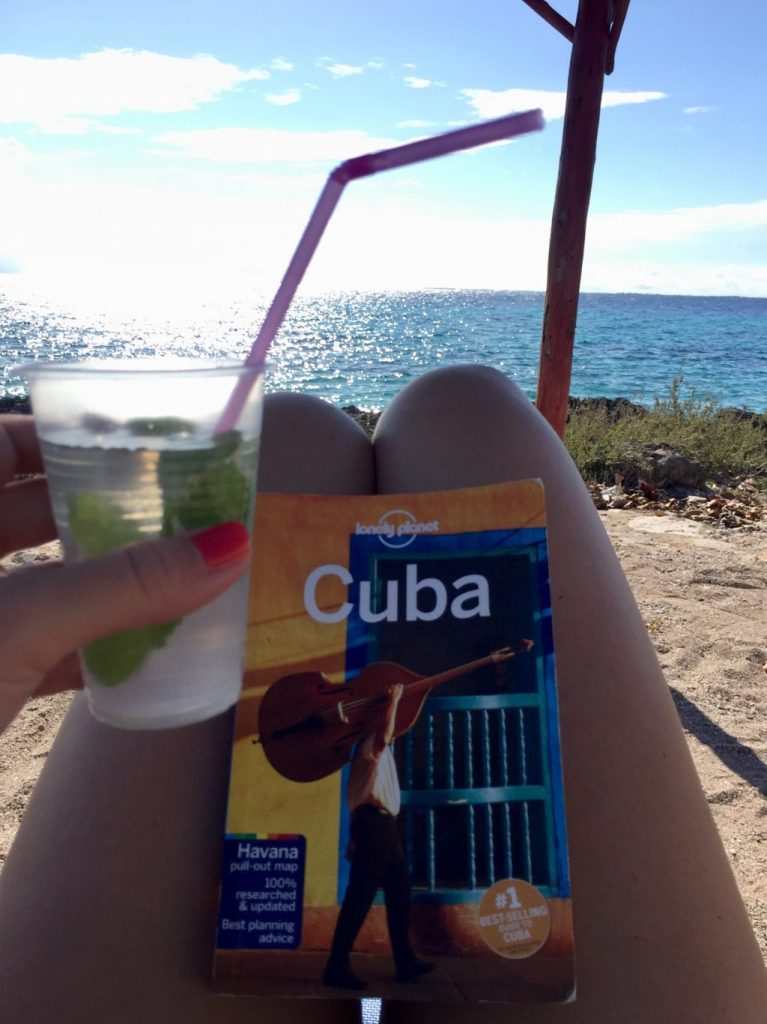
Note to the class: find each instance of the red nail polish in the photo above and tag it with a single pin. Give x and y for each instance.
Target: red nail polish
(220, 545)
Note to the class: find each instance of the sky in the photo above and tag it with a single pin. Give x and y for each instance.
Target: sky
(165, 140)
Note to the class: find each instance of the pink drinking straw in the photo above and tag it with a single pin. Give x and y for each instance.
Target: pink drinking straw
(361, 167)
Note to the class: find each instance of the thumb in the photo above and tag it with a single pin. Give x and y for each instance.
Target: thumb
(49, 610)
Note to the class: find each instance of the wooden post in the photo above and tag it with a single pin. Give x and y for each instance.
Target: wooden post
(591, 43)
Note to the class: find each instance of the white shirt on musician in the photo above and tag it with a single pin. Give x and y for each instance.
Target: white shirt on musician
(373, 778)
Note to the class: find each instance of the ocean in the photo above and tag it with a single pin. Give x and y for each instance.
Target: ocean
(361, 348)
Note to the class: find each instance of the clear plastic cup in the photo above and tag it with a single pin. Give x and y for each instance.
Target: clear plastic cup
(133, 451)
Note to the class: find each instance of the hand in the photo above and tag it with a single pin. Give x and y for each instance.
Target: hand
(48, 610)
(394, 694)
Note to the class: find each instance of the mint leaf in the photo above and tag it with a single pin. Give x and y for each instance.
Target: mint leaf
(204, 488)
(219, 495)
(177, 466)
(161, 426)
(113, 659)
(98, 524)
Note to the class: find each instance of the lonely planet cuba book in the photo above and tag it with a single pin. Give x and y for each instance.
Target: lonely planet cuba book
(396, 821)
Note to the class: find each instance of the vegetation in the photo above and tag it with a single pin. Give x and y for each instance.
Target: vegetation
(727, 442)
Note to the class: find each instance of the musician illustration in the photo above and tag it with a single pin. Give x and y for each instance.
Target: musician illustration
(309, 728)
(376, 854)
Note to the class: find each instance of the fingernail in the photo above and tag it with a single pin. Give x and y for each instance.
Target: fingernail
(220, 545)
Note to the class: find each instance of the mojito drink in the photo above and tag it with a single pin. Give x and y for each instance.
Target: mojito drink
(116, 482)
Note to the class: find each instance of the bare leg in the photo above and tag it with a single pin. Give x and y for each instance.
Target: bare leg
(660, 931)
(108, 898)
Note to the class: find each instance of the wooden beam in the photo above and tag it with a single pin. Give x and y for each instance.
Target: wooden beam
(554, 18)
(571, 204)
(619, 16)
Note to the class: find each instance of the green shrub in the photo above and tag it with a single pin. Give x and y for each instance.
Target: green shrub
(727, 442)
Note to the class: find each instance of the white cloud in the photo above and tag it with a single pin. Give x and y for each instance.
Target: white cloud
(77, 226)
(662, 251)
(615, 98)
(489, 103)
(280, 64)
(614, 232)
(700, 110)
(376, 64)
(415, 250)
(14, 156)
(15, 160)
(417, 83)
(339, 70)
(250, 225)
(248, 217)
(344, 71)
(677, 278)
(263, 145)
(85, 126)
(283, 99)
(48, 93)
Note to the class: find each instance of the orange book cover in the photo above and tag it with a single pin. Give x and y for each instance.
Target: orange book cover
(396, 812)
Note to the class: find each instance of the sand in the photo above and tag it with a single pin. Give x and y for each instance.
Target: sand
(702, 590)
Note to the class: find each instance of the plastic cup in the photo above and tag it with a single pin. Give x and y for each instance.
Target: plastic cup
(132, 452)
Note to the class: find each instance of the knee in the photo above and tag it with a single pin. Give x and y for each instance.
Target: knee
(310, 445)
(302, 412)
(463, 379)
(456, 395)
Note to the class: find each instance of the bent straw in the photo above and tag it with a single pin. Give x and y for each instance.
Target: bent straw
(360, 167)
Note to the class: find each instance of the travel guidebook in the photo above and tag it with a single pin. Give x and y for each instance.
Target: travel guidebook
(396, 821)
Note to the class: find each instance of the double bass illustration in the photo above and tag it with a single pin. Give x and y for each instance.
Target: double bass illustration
(309, 726)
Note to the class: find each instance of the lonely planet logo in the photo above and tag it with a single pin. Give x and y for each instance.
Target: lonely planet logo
(397, 528)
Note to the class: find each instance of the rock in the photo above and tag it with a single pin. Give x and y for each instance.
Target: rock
(14, 403)
(731, 412)
(661, 466)
(650, 492)
(614, 408)
(367, 418)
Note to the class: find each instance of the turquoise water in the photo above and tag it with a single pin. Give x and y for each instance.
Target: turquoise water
(360, 348)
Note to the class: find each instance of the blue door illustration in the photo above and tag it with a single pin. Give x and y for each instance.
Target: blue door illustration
(480, 769)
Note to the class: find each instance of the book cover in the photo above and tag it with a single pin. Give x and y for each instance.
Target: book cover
(396, 813)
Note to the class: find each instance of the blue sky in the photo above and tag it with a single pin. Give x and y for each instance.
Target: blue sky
(190, 140)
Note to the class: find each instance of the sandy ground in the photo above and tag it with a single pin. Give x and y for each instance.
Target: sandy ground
(703, 595)
(702, 591)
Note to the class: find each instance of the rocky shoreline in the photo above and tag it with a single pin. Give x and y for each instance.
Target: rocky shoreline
(657, 478)
(652, 478)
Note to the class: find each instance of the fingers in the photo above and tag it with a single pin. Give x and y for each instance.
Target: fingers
(25, 515)
(26, 519)
(136, 586)
(64, 676)
(19, 450)
(47, 611)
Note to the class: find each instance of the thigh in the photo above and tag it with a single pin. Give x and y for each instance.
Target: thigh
(660, 930)
(108, 897)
